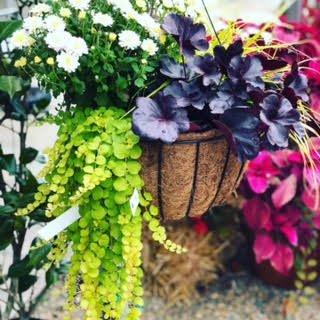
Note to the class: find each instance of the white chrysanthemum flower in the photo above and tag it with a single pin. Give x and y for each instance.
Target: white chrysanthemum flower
(146, 21)
(20, 39)
(102, 18)
(80, 4)
(65, 12)
(129, 40)
(67, 61)
(77, 46)
(149, 46)
(124, 6)
(54, 23)
(31, 24)
(58, 40)
(40, 9)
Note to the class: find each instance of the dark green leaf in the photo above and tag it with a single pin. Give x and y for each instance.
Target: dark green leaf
(28, 155)
(8, 163)
(11, 198)
(122, 83)
(51, 277)
(26, 282)
(38, 255)
(7, 28)
(20, 268)
(29, 184)
(25, 199)
(39, 216)
(20, 110)
(6, 232)
(10, 85)
(6, 210)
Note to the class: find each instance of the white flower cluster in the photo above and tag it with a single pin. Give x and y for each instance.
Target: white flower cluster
(130, 40)
(144, 19)
(40, 9)
(80, 4)
(102, 18)
(20, 39)
(68, 47)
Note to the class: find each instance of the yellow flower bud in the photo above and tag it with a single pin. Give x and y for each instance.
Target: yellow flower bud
(50, 61)
(163, 38)
(82, 15)
(112, 36)
(17, 63)
(20, 63)
(141, 4)
(144, 61)
(37, 59)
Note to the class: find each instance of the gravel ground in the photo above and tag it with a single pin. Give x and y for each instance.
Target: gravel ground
(233, 297)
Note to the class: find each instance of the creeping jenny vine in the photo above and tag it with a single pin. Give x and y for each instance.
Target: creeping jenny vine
(94, 165)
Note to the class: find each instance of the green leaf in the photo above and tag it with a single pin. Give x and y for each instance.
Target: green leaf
(28, 155)
(51, 277)
(6, 232)
(7, 28)
(38, 255)
(26, 282)
(11, 198)
(29, 184)
(133, 167)
(139, 82)
(6, 210)
(8, 163)
(10, 85)
(20, 268)
(120, 184)
(121, 83)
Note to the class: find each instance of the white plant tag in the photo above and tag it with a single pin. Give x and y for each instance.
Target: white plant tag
(134, 202)
(59, 224)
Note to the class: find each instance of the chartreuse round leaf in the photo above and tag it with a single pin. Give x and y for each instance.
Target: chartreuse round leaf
(94, 165)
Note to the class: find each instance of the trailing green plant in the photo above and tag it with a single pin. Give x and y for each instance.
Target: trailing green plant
(94, 165)
(20, 104)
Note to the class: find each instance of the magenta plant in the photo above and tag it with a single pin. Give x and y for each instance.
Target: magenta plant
(282, 206)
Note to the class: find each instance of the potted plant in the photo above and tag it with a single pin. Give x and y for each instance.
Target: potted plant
(282, 213)
(102, 55)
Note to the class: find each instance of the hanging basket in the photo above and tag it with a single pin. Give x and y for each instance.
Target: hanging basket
(191, 175)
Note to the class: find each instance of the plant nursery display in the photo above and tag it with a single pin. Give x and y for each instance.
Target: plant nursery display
(282, 211)
(158, 119)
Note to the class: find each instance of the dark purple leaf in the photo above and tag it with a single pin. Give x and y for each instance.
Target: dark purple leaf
(247, 70)
(208, 68)
(190, 36)
(229, 95)
(160, 119)
(271, 64)
(223, 56)
(298, 82)
(279, 115)
(174, 70)
(188, 94)
(244, 128)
